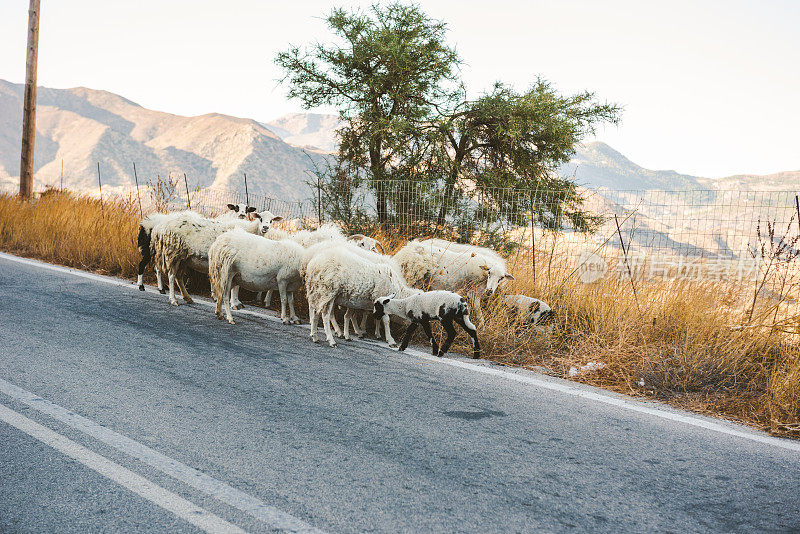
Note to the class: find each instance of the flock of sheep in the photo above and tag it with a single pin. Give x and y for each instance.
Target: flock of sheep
(242, 249)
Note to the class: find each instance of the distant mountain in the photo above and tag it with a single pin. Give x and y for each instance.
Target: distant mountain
(308, 130)
(84, 126)
(595, 165)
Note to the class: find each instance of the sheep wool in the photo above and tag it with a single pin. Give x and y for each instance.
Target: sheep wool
(339, 275)
(257, 264)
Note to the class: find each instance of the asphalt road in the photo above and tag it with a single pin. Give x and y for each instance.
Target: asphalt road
(121, 413)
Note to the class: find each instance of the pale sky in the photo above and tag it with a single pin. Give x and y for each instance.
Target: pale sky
(710, 88)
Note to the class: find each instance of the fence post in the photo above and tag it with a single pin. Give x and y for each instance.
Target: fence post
(138, 195)
(319, 199)
(100, 187)
(188, 200)
(533, 240)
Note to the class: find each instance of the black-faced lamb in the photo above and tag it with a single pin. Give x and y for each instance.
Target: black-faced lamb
(237, 211)
(422, 308)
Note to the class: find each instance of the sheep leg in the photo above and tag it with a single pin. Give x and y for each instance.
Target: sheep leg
(171, 279)
(312, 317)
(185, 294)
(348, 319)
(407, 336)
(426, 326)
(145, 252)
(363, 328)
(377, 329)
(335, 325)
(159, 281)
(282, 293)
(268, 298)
(218, 307)
(389, 339)
(226, 296)
(356, 328)
(451, 335)
(237, 304)
(467, 325)
(326, 322)
(292, 315)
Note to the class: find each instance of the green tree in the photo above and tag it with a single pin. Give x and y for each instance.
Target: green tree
(506, 141)
(388, 72)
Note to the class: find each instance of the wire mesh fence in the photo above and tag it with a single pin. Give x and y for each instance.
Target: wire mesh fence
(654, 234)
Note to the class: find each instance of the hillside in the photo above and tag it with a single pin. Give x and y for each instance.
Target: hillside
(307, 129)
(84, 126)
(595, 165)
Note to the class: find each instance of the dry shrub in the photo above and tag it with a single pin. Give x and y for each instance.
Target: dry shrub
(78, 231)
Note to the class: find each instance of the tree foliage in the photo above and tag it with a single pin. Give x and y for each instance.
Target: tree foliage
(414, 139)
(388, 70)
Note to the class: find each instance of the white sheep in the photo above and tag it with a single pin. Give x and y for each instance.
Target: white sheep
(182, 243)
(143, 242)
(528, 309)
(341, 276)
(329, 234)
(326, 232)
(257, 264)
(441, 265)
(422, 308)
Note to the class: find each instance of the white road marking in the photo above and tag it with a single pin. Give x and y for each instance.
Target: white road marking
(154, 493)
(564, 387)
(271, 516)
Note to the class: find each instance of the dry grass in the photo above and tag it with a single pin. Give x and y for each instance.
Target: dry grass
(675, 341)
(78, 231)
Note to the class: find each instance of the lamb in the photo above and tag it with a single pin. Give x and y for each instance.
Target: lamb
(528, 309)
(237, 211)
(341, 276)
(453, 267)
(182, 243)
(422, 308)
(256, 264)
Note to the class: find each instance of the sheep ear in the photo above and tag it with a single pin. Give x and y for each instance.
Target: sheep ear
(484, 267)
(510, 277)
(356, 237)
(380, 247)
(233, 207)
(250, 209)
(277, 218)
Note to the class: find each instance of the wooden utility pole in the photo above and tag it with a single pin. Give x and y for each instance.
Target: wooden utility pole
(29, 107)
